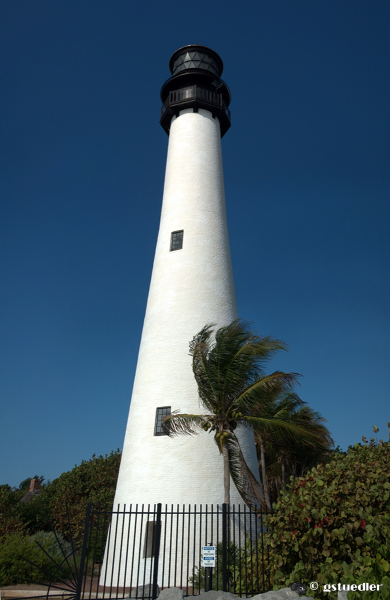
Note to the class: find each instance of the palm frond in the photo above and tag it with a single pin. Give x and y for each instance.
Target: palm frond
(265, 389)
(282, 429)
(223, 369)
(200, 348)
(179, 423)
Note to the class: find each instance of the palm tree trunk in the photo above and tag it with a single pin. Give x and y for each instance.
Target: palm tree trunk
(226, 475)
(264, 475)
(283, 474)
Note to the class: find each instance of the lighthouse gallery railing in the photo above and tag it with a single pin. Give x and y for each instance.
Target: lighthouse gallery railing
(195, 92)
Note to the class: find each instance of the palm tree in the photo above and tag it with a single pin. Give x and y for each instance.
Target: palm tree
(299, 458)
(275, 424)
(233, 388)
(292, 434)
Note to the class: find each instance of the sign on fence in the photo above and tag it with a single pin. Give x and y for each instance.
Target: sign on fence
(208, 559)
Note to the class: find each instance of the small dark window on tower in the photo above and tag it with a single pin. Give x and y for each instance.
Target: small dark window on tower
(177, 240)
(160, 414)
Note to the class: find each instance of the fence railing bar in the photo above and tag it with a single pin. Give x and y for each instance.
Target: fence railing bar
(239, 546)
(133, 555)
(106, 526)
(145, 555)
(217, 537)
(165, 537)
(246, 548)
(120, 550)
(177, 539)
(182, 552)
(127, 552)
(156, 551)
(106, 559)
(83, 553)
(268, 565)
(224, 548)
(234, 520)
(115, 547)
(147, 534)
(95, 549)
(200, 547)
(89, 538)
(193, 554)
(97, 519)
(170, 548)
(257, 548)
(251, 534)
(262, 544)
(140, 546)
(231, 551)
(71, 542)
(188, 543)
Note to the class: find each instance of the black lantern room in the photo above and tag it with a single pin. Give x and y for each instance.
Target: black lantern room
(195, 83)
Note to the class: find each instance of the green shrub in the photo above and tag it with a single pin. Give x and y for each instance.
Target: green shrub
(233, 561)
(34, 513)
(334, 524)
(22, 560)
(22, 517)
(246, 573)
(92, 481)
(54, 544)
(10, 522)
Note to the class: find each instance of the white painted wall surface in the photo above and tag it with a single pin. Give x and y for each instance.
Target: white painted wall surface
(189, 288)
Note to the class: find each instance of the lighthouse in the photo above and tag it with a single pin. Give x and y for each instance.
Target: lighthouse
(191, 285)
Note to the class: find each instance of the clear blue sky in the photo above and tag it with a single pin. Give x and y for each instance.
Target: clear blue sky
(307, 175)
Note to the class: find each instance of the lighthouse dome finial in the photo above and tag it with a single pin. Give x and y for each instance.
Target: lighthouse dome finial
(195, 56)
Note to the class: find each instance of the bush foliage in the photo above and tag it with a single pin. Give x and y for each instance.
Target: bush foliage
(334, 524)
(22, 560)
(92, 481)
(10, 522)
(246, 572)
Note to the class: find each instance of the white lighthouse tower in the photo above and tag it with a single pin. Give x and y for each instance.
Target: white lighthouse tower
(192, 284)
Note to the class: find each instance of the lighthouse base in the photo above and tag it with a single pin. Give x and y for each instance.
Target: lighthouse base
(163, 545)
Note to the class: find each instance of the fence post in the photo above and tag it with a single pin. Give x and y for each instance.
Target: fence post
(156, 548)
(208, 577)
(80, 573)
(224, 547)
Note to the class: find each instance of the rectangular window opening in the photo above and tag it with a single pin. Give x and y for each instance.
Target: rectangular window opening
(161, 412)
(149, 538)
(177, 240)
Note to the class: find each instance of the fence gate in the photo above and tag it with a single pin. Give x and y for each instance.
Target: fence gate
(137, 551)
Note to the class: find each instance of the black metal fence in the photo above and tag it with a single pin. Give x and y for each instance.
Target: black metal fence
(137, 551)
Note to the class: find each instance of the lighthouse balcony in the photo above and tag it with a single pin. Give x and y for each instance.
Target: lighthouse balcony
(195, 97)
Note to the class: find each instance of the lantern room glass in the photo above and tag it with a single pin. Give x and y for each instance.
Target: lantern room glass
(195, 60)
